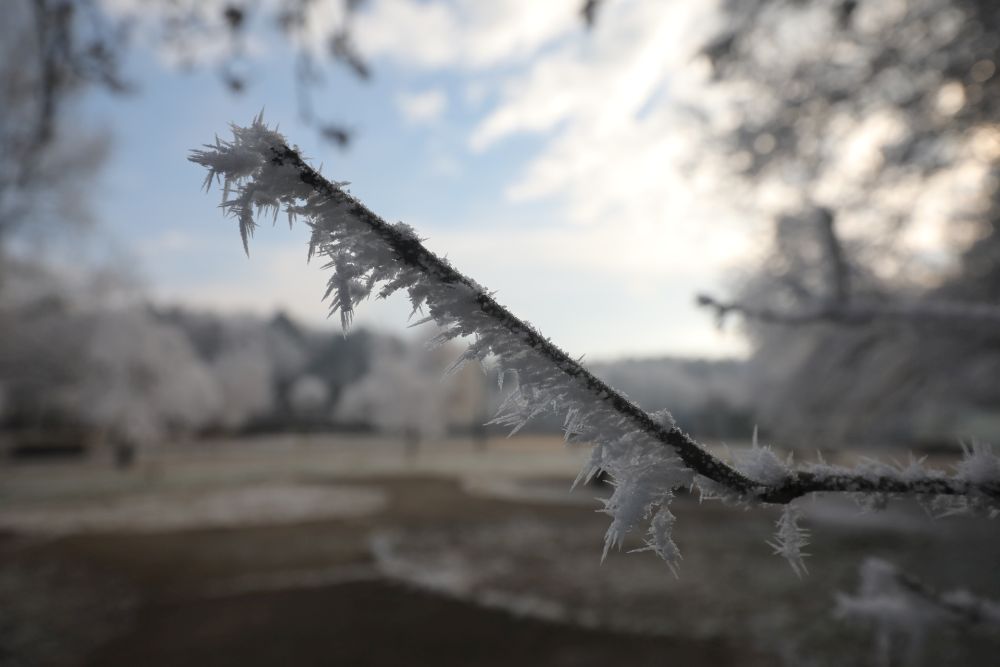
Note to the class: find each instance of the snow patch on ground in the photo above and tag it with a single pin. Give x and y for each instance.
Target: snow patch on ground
(528, 490)
(533, 569)
(264, 504)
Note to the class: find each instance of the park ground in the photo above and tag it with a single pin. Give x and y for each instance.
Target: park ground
(319, 550)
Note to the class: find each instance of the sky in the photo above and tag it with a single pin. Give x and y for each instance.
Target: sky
(554, 165)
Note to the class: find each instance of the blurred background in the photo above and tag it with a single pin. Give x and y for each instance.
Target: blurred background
(770, 214)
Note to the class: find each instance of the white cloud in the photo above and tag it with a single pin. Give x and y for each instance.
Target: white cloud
(621, 152)
(422, 107)
(638, 212)
(595, 292)
(465, 34)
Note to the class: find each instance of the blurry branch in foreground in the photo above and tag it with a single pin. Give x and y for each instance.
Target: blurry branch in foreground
(647, 454)
(589, 11)
(80, 44)
(901, 609)
(841, 308)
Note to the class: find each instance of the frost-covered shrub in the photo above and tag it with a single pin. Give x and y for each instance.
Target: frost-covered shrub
(144, 380)
(308, 395)
(244, 373)
(398, 395)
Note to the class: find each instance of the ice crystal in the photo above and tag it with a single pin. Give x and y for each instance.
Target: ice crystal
(761, 464)
(660, 540)
(979, 464)
(790, 540)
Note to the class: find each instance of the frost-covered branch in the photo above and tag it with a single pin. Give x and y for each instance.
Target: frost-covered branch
(647, 454)
(901, 609)
(840, 306)
(956, 314)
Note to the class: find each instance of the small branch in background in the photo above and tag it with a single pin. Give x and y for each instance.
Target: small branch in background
(341, 49)
(589, 12)
(75, 44)
(723, 309)
(839, 307)
(956, 316)
(902, 610)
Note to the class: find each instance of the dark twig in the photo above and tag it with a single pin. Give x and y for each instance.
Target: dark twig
(949, 315)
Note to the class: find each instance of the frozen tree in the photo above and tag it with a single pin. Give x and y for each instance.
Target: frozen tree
(308, 395)
(414, 392)
(68, 358)
(245, 374)
(74, 357)
(46, 332)
(901, 365)
(255, 362)
(867, 131)
(144, 381)
(401, 394)
(648, 455)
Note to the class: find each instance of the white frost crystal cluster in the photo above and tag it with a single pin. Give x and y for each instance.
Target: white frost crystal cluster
(762, 464)
(790, 540)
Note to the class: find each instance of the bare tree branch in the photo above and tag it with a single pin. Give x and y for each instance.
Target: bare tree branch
(955, 315)
(840, 307)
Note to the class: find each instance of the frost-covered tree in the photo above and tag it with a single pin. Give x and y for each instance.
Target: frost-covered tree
(867, 131)
(245, 373)
(412, 392)
(143, 381)
(43, 346)
(398, 395)
(308, 395)
(74, 357)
